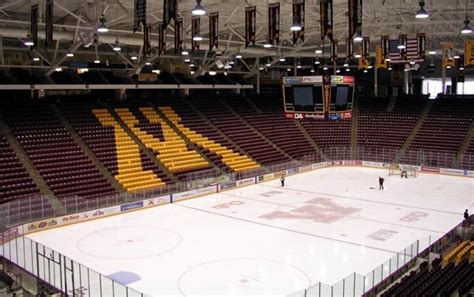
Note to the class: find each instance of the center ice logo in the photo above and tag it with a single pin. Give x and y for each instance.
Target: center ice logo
(320, 210)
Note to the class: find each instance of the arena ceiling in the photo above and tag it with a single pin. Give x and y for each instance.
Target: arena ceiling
(75, 22)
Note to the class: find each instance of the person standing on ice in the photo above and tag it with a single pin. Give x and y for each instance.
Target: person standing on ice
(282, 180)
(381, 180)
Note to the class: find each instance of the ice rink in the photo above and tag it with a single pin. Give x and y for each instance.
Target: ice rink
(265, 239)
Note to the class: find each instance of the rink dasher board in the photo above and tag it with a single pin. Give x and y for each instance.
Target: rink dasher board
(46, 224)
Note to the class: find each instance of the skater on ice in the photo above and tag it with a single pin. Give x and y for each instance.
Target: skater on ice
(381, 180)
(282, 180)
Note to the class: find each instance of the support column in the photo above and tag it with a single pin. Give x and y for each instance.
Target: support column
(295, 69)
(334, 65)
(258, 75)
(376, 82)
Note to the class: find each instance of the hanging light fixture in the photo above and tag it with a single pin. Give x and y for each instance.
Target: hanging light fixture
(317, 62)
(198, 9)
(312, 70)
(267, 45)
(96, 61)
(70, 54)
(295, 27)
(288, 69)
(348, 69)
(268, 64)
(116, 47)
(184, 52)
(28, 41)
(338, 71)
(346, 64)
(432, 52)
(357, 56)
(187, 60)
(197, 37)
(325, 68)
(401, 46)
(282, 59)
(358, 37)
(389, 68)
(101, 27)
(36, 59)
(466, 28)
(134, 57)
(238, 56)
(422, 13)
(318, 51)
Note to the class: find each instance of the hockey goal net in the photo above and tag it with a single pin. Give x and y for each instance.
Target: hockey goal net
(396, 169)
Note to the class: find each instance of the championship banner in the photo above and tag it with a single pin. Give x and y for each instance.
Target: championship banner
(161, 39)
(34, 25)
(363, 62)
(366, 48)
(380, 62)
(49, 22)
(349, 48)
(178, 34)
(146, 39)
(195, 30)
(213, 30)
(139, 14)
(403, 41)
(170, 11)
(448, 53)
(355, 17)
(334, 50)
(274, 23)
(326, 93)
(326, 19)
(469, 52)
(384, 46)
(421, 37)
(298, 18)
(250, 25)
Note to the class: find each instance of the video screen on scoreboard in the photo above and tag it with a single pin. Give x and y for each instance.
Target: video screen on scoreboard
(341, 97)
(304, 98)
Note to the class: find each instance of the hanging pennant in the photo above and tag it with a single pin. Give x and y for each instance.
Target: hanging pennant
(448, 54)
(178, 34)
(326, 19)
(421, 38)
(403, 51)
(469, 52)
(34, 25)
(139, 16)
(161, 39)
(380, 62)
(213, 30)
(384, 46)
(49, 22)
(349, 48)
(355, 17)
(250, 25)
(298, 18)
(274, 23)
(147, 39)
(334, 50)
(170, 11)
(195, 31)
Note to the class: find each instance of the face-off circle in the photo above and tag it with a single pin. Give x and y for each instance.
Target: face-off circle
(243, 276)
(129, 242)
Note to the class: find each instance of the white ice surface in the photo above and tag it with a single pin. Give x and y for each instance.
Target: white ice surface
(265, 239)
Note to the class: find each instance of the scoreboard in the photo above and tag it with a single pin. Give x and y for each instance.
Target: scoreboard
(318, 97)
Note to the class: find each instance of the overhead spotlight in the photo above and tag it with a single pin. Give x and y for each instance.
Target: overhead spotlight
(282, 59)
(432, 52)
(467, 28)
(389, 68)
(422, 13)
(448, 67)
(225, 73)
(407, 69)
(348, 69)
(184, 52)
(134, 57)
(365, 70)
(338, 71)
(346, 64)
(192, 64)
(388, 59)
(212, 73)
(318, 51)
(96, 61)
(198, 9)
(369, 67)
(288, 69)
(358, 37)
(231, 62)
(295, 27)
(147, 63)
(325, 68)
(156, 71)
(456, 56)
(197, 37)
(357, 56)
(312, 71)
(101, 27)
(298, 66)
(70, 54)
(268, 64)
(191, 72)
(28, 41)
(116, 47)
(187, 60)
(227, 66)
(58, 69)
(260, 68)
(238, 56)
(401, 46)
(412, 62)
(36, 59)
(317, 62)
(461, 68)
(267, 45)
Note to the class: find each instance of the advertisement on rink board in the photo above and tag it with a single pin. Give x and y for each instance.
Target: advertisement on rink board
(469, 173)
(246, 182)
(266, 177)
(305, 168)
(319, 165)
(452, 171)
(228, 185)
(292, 171)
(373, 164)
(130, 206)
(430, 169)
(10, 234)
(193, 193)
